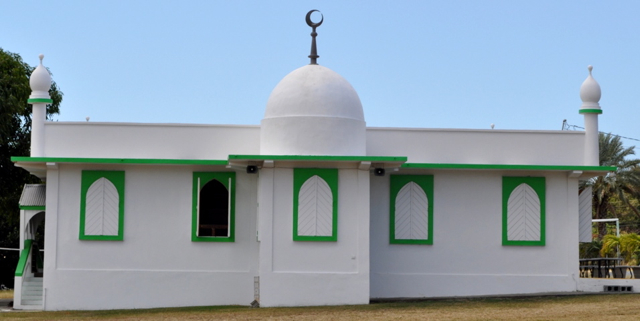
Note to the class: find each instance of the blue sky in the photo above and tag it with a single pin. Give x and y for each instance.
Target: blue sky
(433, 64)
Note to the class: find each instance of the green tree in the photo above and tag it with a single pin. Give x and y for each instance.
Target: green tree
(623, 184)
(15, 138)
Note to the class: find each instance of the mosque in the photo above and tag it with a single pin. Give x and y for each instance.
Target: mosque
(311, 207)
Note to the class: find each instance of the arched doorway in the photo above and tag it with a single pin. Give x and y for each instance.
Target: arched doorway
(34, 231)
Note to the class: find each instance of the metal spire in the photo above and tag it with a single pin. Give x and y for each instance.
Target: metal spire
(314, 52)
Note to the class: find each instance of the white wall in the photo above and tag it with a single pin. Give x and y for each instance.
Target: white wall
(467, 256)
(134, 140)
(478, 146)
(296, 273)
(157, 264)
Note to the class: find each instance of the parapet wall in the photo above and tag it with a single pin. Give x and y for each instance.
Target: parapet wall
(522, 147)
(135, 140)
(189, 141)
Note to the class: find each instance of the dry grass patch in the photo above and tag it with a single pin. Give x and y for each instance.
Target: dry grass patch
(592, 307)
(6, 294)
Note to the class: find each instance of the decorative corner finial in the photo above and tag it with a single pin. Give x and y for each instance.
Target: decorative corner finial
(40, 83)
(314, 52)
(590, 94)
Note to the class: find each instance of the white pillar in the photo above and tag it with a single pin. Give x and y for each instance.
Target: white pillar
(266, 186)
(40, 83)
(590, 94)
(37, 129)
(591, 148)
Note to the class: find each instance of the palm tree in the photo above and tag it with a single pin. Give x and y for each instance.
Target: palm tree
(627, 244)
(610, 246)
(622, 183)
(630, 247)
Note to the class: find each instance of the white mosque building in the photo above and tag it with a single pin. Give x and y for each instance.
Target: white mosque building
(311, 207)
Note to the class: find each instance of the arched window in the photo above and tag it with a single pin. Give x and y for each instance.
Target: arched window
(315, 204)
(412, 213)
(523, 214)
(411, 209)
(101, 214)
(213, 207)
(213, 213)
(523, 210)
(102, 205)
(315, 208)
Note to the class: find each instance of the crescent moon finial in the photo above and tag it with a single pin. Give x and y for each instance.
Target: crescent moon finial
(314, 52)
(311, 23)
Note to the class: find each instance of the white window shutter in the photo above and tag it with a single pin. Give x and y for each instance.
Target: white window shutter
(102, 209)
(523, 214)
(584, 220)
(315, 208)
(411, 213)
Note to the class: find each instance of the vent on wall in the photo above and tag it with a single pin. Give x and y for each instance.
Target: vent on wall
(618, 288)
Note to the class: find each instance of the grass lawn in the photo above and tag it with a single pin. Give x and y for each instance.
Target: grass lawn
(581, 307)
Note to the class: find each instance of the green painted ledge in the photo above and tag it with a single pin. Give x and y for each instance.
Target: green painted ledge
(24, 255)
(118, 160)
(321, 158)
(34, 208)
(380, 159)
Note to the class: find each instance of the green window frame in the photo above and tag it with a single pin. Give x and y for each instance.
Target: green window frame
(89, 177)
(534, 207)
(396, 184)
(329, 178)
(228, 180)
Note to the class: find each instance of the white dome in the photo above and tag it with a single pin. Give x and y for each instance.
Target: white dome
(40, 81)
(314, 90)
(590, 92)
(313, 111)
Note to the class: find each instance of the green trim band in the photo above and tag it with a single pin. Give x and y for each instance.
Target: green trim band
(510, 167)
(118, 160)
(590, 111)
(24, 255)
(33, 208)
(320, 158)
(39, 100)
